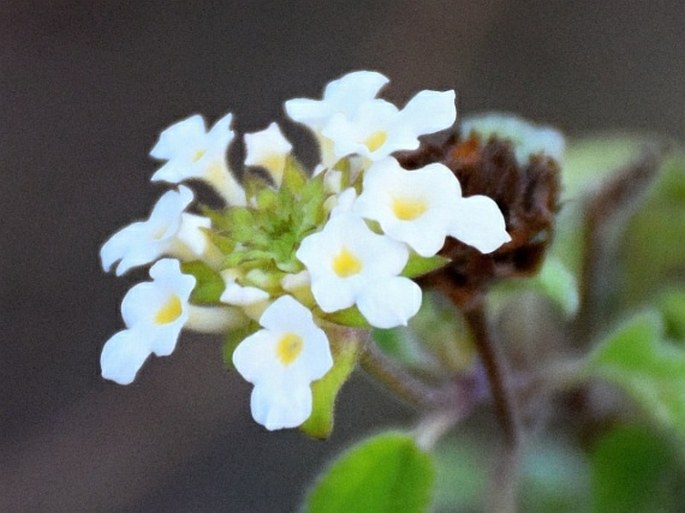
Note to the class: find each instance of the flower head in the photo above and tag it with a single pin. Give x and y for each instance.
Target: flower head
(378, 128)
(154, 313)
(168, 231)
(281, 361)
(193, 153)
(527, 139)
(350, 120)
(343, 96)
(268, 149)
(349, 264)
(423, 206)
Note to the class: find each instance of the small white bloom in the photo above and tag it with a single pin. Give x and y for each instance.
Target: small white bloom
(423, 206)
(349, 264)
(281, 361)
(268, 149)
(341, 97)
(377, 128)
(168, 231)
(193, 153)
(527, 138)
(154, 313)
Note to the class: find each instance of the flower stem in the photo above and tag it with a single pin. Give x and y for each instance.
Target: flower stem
(404, 385)
(505, 478)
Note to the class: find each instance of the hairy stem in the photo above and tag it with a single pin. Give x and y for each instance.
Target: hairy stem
(406, 386)
(505, 478)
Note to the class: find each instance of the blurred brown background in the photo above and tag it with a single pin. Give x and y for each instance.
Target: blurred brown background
(86, 86)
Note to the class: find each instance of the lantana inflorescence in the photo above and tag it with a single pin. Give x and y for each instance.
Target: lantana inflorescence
(294, 255)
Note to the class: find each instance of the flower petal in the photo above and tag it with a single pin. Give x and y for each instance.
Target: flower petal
(479, 222)
(123, 355)
(390, 302)
(278, 407)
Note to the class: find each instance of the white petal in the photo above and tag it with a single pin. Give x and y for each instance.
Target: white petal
(279, 407)
(235, 294)
(430, 111)
(390, 302)
(479, 222)
(263, 146)
(122, 356)
(354, 88)
(143, 242)
(252, 357)
(177, 136)
(191, 234)
(125, 245)
(333, 294)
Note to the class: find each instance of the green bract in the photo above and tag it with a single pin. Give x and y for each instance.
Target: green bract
(266, 235)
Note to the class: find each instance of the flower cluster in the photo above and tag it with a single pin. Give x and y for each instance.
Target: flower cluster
(293, 253)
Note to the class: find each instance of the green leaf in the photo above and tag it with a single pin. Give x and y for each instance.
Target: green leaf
(672, 306)
(210, 285)
(634, 471)
(294, 176)
(384, 474)
(418, 265)
(345, 350)
(652, 252)
(589, 161)
(638, 359)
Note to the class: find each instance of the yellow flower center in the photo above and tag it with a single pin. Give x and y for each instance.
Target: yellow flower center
(199, 154)
(408, 209)
(346, 264)
(376, 140)
(289, 348)
(170, 311)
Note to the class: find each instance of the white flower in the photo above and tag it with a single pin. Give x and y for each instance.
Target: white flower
(193, 153)
(349, 264)
(168, 231)
(527, 139)
(268, 149)
(377, 128)
(154, 313)
(341, 97)
(281, 361)
(423, 206)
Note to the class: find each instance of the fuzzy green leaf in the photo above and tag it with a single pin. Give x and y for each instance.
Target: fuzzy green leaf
(634, 471)
(637, 358)
(384, 474)
(418, 265)
(652, 252)
(672, 306)
(209, 284)
(345, 350)
(294, 176)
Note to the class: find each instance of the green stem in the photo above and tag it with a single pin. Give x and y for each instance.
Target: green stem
(406, 386)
